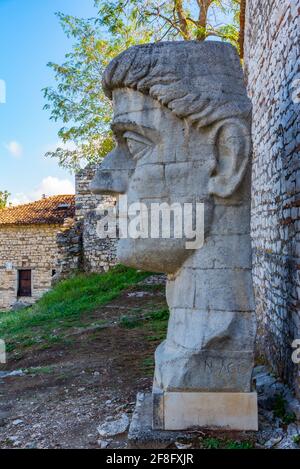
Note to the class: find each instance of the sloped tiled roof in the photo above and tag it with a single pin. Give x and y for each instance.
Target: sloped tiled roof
(48, 211)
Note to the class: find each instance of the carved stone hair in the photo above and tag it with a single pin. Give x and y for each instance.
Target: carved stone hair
(209, 86)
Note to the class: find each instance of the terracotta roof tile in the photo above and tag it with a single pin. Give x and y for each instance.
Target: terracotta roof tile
(46, 211)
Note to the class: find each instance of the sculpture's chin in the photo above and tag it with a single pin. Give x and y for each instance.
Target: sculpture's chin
(154, 255)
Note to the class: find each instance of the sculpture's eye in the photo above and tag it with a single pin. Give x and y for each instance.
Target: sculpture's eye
(138, 145)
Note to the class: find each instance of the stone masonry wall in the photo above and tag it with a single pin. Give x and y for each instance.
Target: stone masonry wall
(69, 248)
(98, 254)
(26, 247)
(272, 41)
(85, 201)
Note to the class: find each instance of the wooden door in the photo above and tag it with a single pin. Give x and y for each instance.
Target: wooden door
(24, 288)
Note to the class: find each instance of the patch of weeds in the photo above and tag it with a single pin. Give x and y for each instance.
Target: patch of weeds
(153, 338)
(296, 439)
(157, 324)
(39, 370)
(280, 410)
(67, 342)
(62, 378)
(231, 444)
(129, 322)
(211, 443)
(101, 322)
(288, 418)
(10, 347)
(162, 315)
(29, 342)
(148, 366)
(51, 339)
(81, 326)
(45, 346)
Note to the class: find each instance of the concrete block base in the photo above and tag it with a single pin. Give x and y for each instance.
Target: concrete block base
(211, 410)
(141, 434)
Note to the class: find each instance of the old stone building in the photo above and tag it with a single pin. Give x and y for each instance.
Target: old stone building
(28, 247)
(51, 239)
(272, 65)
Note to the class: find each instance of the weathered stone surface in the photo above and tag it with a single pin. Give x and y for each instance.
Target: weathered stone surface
(203, 371)
(222, 252)
(212, 289)
(6, 374)
(272, 37)
(227, 411)
(183, 132)
(115, 427)
(98, 254)
(194, 329)
(79, 246)
(141, 433)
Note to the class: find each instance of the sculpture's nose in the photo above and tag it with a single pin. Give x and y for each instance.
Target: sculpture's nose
(113, 174)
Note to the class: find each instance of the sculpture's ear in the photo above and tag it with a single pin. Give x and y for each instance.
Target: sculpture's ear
(232, 152)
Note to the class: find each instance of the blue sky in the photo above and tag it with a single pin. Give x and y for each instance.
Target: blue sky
(30, 36)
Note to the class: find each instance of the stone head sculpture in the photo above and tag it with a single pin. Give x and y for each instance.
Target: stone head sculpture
(182, 125)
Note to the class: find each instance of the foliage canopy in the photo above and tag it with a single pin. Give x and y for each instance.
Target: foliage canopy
(78, 101)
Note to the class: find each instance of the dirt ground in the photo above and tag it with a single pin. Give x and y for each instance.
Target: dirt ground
(92, 376)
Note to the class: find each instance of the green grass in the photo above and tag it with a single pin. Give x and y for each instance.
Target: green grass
(148, 366)
(211, 443)
(217, 443)
(157, 325)
(239, 445)
(67, 305)
(154, 322)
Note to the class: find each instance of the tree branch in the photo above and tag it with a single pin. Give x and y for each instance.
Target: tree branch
(165, 18)
(202, 18)
(178, 4)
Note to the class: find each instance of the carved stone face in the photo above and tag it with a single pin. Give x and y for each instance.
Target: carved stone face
(159, 158)
(182, 126)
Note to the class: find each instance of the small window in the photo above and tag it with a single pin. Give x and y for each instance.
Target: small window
(63, 206)
(24, 283)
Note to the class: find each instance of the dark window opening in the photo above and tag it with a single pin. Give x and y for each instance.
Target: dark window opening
(63, 207)
(24, 283)
(53, 272)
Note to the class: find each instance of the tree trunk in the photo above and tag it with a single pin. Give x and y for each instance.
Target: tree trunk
(182, 19)
(242, 27)
(202, 19)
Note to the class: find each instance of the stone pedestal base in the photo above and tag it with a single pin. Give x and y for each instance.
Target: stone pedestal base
(211, 410)
(141, 433)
